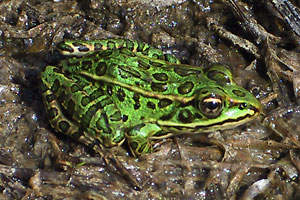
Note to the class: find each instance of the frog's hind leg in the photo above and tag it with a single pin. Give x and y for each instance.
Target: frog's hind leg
(56, 117)
(63, 124)
(75, 105)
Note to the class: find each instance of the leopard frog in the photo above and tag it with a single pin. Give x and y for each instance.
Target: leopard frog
(108, 91)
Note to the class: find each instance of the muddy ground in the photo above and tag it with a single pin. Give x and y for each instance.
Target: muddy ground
(259, 40)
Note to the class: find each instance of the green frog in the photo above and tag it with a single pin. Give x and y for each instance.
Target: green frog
(107, 91)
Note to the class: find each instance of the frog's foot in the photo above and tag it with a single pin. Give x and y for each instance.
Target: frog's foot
(110, 159)
(140, 138)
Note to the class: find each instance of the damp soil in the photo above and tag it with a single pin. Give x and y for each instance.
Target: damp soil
(259, 41)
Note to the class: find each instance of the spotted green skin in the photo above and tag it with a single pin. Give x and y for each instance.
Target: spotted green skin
(108, 91)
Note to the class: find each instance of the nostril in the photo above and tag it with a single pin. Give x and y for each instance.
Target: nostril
(242, 106)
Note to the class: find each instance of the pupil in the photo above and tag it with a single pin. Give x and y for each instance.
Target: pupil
(212, 105)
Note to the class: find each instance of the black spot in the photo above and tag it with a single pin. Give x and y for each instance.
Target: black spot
(98, 46)
(160, 76)
(71, 106)
(146, 51)
(50, 97)
(167, 116)
(75, 88)
(183, 105)
(109, 90)
(101, 54)
(159, 87)
(127, 52)
(185, 72)
(140, 46)
(180, 71)
(155, 55)
(85, 101)
(179, 128)
(162, 57)
(156, 64)
(120, 43)
(137, 83)
(81, 48)
(65, 47)
(134, 145)
(142, 64)
(242, 106)
(186, 87)
(136, 97)
(111, 45)
(151, 105)
(105, 102)
(197, 115)
(203, 91)
(121, 95)
(133, 73)
(63, 126)
(185, 116)
(218, 76)
(82, 82)
(117, 116)
(92, 131)
(76, 44)
(170, 58)
(124, 118)
(43, 87)
(76, 135)
(98, 124)
(86, 119)
(86, 64)
(137, 105)
(56, 69)
(164, 103)
(62, 96)
(239, 93)
(73, 63)
(96, 94)
(123, 74)
(130, 45)
(56, 85)
(53, 112)
(101, 68)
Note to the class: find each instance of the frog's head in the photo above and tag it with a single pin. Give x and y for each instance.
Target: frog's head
(219, 103)
(223, 104)
(225, 107)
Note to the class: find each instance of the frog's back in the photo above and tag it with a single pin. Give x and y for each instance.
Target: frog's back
(142, 88)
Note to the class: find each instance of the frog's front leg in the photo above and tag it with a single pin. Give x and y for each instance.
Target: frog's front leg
(140, 138)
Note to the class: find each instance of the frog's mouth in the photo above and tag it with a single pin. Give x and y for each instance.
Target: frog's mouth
(209, 127)
(230, 123)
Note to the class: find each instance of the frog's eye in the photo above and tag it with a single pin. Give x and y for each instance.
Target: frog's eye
(211, 106)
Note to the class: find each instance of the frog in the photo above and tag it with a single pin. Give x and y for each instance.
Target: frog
(107, 91)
